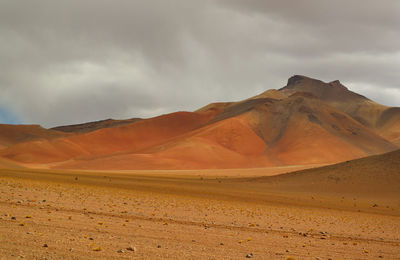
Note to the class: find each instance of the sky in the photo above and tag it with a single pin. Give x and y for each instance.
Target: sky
(73, 61)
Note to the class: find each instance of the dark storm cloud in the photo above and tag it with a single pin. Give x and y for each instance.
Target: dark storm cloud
(66, 62)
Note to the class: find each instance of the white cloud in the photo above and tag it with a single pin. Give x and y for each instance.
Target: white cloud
(71, 61)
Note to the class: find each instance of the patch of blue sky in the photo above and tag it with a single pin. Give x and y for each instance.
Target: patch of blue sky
(8, 117)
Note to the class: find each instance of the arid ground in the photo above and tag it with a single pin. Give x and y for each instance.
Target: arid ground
(49, 214)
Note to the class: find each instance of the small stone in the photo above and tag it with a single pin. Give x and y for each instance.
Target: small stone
(45, 245)
(221, 244)
(121, 251)
(131, 248)
(43, 200)
(97, 249)
(249, 255)
(13, 218)
(159, 246)
(91, 238)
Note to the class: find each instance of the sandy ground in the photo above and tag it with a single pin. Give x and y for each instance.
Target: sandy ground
(70, 215)
(236, 172)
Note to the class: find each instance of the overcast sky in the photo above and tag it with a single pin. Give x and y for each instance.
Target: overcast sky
(72, 61)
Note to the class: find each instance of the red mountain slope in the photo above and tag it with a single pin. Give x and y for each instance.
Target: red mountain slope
(306, 122)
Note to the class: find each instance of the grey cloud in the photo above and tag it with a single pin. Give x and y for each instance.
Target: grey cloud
(72, 61)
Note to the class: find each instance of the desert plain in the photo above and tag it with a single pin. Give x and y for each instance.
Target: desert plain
(199, 214)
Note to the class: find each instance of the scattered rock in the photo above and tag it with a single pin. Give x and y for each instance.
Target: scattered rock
(45, 245)
(121, 251)
(159, 246)
(98, 249)
(249, 255)
(375, 205)
(221, 244)
(91, 238)
(14, 218)
(131, 248)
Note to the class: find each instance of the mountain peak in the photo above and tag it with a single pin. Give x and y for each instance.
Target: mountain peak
(337, 83)
(293, 80)
(333, 91)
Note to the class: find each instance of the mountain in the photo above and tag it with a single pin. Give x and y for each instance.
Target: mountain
(14, 134)
(92, 126)
(382, 119)
(306, 122)
(131, 138)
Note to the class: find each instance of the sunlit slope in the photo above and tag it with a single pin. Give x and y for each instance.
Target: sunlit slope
(375, 177)
(306, 122)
